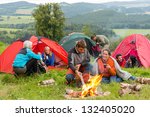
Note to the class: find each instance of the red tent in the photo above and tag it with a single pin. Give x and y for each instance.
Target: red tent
(137, 45)
(8, 56)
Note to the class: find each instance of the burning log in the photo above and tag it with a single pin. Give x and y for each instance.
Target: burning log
(90, 88)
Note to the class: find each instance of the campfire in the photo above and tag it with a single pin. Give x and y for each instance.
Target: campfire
(88, 89)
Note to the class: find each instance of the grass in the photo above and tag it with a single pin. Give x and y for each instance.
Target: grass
(9, 29)
(126, 32)
(16, 19)
(2, 47)
(12, 88)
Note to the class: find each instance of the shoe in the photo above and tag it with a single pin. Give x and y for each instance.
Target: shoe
(132, 78)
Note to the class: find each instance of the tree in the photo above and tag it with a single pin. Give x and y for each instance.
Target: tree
(86, 30)
(49, 21)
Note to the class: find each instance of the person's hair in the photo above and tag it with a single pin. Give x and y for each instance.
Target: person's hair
(94, 35)
(109, 53)
(27, 44)
(46, 47)
(117, 56)
(81, 44)
(134, 60)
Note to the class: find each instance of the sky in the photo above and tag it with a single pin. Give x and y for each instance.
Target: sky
(58, 1)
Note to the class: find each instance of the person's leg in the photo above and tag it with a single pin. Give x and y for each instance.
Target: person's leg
(105, 80)
(86, 73)
(70, 76)
(19, 71)
(132, 78)
(113, 79)
(31, 66)
(118, 79)
(52, 60)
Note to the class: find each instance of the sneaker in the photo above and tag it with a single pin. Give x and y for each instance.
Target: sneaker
(132, 78)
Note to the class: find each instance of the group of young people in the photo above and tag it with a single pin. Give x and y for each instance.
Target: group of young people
(79, 66)
(130, 63)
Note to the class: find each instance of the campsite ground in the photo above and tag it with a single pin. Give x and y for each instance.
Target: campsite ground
(12, 88)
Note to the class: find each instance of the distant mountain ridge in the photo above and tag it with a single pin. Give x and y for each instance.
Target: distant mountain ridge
(75, 9)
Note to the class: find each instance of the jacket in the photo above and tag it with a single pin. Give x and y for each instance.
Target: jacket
(24, 56)
(75, 58)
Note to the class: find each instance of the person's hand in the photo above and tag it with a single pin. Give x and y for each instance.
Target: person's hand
(78, 66)
(42, 63)
(78, 74)
(108, 66)
(39, 53)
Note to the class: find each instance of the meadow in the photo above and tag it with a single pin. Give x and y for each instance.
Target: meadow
(27, 88)
(126, 32)
(16, 19)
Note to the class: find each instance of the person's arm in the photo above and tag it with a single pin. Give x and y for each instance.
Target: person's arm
(71, 62)
(52, 59)
(111, 69)
(87, 58)
(33, 55)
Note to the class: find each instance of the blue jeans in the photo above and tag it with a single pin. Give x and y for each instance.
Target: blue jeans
(111, 79)
(70, 78)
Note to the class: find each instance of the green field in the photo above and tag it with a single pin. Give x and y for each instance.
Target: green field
(12, 88)
(9, 29)
(2, 47)
(16, 19)
(126, 32)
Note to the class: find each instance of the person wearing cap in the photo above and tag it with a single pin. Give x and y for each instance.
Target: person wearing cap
(26, 61)
(78, 63)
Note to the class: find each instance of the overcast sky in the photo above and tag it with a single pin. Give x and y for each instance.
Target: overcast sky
(68, 1)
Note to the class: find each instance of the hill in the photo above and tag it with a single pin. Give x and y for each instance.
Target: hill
(15, 8)
(112, 19)
(71, 10)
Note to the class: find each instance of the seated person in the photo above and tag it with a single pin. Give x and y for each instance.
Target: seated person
(48, 57)
(78, 62)
(26, 60)
(132, 62)
(121, 61)
(110, 69)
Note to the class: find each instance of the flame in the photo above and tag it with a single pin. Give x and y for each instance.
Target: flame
(91, 87)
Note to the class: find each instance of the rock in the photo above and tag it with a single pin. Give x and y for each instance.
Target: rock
(67, 96)
(106, 93)
(47, 82)
(69, 91)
